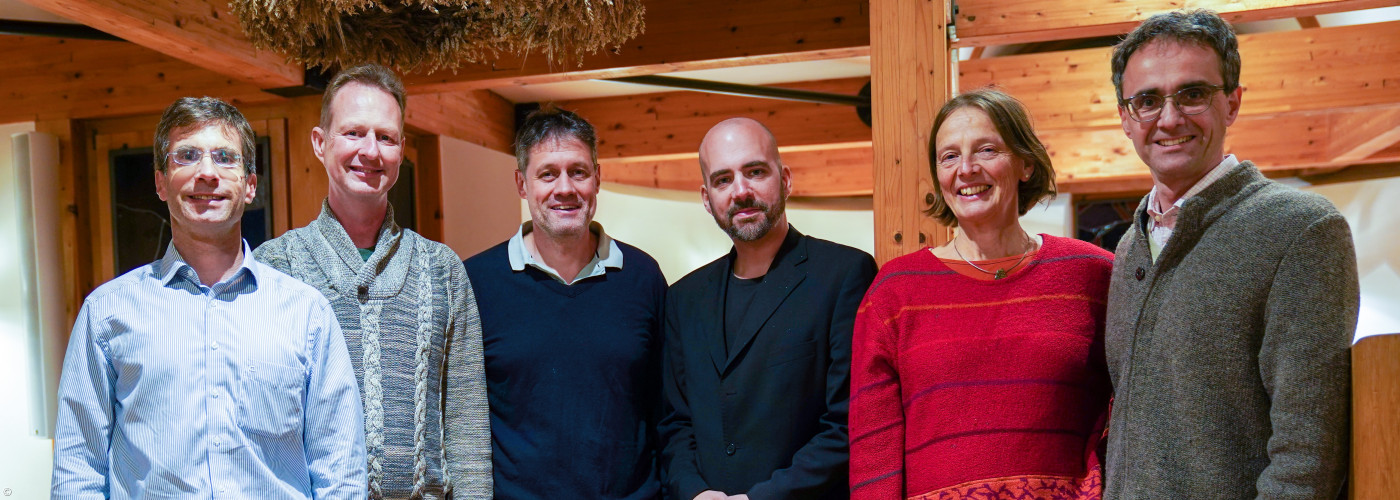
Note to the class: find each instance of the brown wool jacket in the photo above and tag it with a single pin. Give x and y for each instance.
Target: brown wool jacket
(1229, 355)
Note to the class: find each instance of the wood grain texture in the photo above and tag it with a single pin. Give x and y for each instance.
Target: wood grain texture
(910, 65)
(831, 170)
(1375, 438)
(689, 35)
(477, 116)
(1314, 69)
(58, 78)
(673, 123)
(200, 32)
(1001, 22)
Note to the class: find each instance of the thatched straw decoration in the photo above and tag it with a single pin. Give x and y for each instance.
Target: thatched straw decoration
(435, 34)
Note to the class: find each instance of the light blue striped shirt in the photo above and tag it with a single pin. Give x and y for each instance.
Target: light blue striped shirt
(171, 389)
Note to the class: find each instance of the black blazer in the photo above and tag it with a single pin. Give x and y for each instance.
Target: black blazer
(768, 420)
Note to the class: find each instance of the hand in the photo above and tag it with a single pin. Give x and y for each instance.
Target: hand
(741, 496)
(711, 495)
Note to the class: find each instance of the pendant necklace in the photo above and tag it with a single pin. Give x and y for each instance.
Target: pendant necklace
(1000, 273)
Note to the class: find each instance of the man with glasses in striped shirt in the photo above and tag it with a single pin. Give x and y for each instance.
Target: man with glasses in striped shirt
(207, 374)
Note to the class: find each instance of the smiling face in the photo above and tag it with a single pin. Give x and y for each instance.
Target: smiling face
(560, 186)
(1178, 148)
(746, 185)
(204, 198)
(362, 145)
(978, 176)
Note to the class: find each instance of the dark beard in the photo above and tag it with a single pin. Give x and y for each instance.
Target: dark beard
(755, 231)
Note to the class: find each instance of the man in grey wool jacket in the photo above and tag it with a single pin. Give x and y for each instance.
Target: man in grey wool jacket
(1233, 300)
(403, 301)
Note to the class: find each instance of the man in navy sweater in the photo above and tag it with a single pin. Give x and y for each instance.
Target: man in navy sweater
(571, 323)
(758, 342)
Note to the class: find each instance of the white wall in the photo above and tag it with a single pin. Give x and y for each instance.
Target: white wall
(26, 456)
(674, 228)
(1373, 210)
(480, 207)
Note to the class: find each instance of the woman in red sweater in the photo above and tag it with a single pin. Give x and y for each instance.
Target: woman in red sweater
(978, 368)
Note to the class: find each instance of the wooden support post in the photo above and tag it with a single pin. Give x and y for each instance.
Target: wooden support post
(1375, 438)
(305, 173)
(910, 64)
(74, 226)
(428, 194)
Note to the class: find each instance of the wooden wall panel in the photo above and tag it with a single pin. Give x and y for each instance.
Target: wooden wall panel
(1313, 69)
(1375, 441)
(1000, 22)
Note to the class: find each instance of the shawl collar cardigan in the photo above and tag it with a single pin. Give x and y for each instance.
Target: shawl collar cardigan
(411, 291)
(1229, 353)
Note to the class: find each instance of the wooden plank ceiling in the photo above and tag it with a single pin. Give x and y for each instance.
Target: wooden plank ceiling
(1316, 101)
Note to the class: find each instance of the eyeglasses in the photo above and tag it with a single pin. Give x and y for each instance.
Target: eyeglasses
(223, 158)
(1192, 100)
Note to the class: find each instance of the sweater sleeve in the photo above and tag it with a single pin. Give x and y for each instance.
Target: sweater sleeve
(466, 420)
(877, 411)
(1305, 363)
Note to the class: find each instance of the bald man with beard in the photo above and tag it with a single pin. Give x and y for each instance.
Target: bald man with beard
(758, 342)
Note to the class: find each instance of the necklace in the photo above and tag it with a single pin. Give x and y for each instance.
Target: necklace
(1000, 273)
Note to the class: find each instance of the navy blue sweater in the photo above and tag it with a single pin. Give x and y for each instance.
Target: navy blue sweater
(573, 374)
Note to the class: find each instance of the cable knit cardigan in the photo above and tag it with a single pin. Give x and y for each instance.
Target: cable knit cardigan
(411, 325)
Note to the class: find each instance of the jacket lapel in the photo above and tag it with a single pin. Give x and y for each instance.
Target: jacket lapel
(778, 284)
(718, 282)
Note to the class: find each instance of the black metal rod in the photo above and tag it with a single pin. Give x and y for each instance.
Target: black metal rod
(746, 90)
(54, 30)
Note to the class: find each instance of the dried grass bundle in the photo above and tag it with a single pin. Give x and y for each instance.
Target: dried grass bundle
(411, 35)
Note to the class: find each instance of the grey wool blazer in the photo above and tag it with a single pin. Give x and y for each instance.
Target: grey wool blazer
(1229, 354)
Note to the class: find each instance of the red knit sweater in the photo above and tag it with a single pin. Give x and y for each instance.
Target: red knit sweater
(963, 388)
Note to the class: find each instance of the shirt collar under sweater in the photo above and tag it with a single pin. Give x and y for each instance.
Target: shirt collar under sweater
(607, 255)
(381, 276)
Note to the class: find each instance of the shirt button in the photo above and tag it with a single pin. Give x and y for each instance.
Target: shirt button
(729, 450)
(1140, 273)
(216, 395)
(214, 346)
(216, 442)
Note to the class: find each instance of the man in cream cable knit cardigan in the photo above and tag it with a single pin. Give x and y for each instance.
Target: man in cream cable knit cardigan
(404, 302)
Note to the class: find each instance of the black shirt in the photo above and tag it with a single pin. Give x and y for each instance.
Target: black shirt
(737, 298)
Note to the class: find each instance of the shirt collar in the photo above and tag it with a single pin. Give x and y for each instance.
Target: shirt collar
(1225, 166)
(606, 256)
(172, 265)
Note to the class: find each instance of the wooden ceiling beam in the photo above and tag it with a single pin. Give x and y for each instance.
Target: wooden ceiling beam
(673, 123)
(201, 32)
(477, 116)
(1002, 22)
(1357, 136)
(683, 35)
(826, 171)
(1339, 67)
(59, 78)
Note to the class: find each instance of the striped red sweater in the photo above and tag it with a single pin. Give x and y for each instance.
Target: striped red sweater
(982, 389)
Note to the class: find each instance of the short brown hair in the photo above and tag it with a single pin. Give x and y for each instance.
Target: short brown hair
(1200, 27)
(1014, 124)
(553, 123)
(368, 74)
(203, 111)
